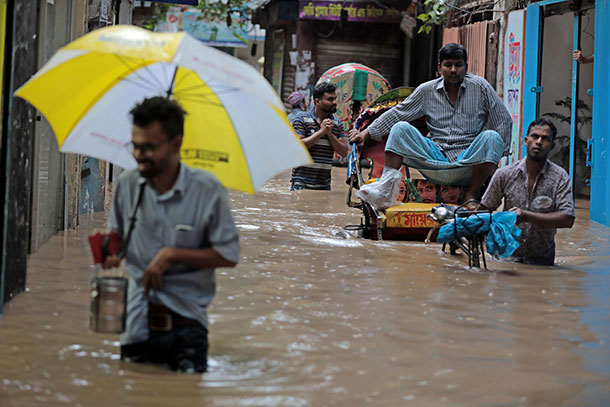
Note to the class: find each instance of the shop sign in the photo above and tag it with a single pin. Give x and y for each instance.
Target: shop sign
(356, 12)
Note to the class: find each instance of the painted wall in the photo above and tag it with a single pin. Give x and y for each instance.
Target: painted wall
(513, 79)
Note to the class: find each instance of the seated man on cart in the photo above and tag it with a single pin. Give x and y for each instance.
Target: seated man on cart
(458, 108)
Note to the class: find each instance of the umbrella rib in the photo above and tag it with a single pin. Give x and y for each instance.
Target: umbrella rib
(132, 70)
(226, 90)
(138, 82)
(190, 87)
(218, 92)
(150, 73)
(200, 96)
(182, 78)
(135, 70)
(195, 94)
(199, 100)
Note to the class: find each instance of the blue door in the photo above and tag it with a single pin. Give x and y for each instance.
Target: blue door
(600, 192)
(600, 169)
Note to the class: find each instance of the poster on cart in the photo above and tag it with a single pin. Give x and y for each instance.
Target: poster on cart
(513, 79)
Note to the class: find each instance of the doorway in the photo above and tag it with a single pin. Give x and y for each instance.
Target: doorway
(552, 79)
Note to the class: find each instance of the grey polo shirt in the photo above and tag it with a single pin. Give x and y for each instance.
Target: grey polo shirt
(552, 192)
(193, 214)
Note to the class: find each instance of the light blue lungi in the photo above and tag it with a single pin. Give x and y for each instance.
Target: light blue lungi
(421, 153)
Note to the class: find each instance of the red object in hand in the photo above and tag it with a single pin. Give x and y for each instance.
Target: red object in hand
(103, 245)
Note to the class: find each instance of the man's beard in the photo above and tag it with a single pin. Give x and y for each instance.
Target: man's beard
(150, 172)
(330, 110)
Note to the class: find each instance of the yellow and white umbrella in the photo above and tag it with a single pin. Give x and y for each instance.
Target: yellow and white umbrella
(235, 125)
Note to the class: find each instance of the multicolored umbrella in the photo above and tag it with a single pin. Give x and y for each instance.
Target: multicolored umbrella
(355, 83)
(235, 125)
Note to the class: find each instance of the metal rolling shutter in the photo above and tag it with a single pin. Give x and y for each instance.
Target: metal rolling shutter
(384, 58)
(288, 77)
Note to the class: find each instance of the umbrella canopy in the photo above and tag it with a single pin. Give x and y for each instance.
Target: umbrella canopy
(235, 125)
(355, 82)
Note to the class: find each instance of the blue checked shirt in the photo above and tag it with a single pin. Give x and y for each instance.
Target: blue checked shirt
(451, 128)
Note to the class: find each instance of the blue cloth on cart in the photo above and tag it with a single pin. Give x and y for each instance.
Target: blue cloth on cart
(502, 234)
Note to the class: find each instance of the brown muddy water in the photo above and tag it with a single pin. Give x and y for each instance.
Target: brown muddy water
(312, 319)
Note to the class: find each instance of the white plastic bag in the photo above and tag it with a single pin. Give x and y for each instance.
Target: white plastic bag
(383, 193)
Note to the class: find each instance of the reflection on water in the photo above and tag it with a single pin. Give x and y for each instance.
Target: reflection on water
(315, 317)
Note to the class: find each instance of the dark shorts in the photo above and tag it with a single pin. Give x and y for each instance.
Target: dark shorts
(184, 348)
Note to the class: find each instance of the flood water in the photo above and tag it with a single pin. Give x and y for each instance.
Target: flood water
(309, 318)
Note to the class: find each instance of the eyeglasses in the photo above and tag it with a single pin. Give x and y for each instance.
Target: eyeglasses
(145, 148)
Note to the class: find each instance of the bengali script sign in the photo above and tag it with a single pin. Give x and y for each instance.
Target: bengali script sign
(361, 12)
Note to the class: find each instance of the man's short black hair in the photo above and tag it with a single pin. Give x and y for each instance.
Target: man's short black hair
(543, 121)
(323, 87)
(167, 112)
(452, 51)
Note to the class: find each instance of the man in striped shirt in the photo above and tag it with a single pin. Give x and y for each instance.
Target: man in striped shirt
(322, 134)
(470, 128)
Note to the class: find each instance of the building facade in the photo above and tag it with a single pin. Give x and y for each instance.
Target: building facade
(305, 38)
(41, 189)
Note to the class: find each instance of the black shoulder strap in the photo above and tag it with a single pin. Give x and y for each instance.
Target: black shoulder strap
(132, 218)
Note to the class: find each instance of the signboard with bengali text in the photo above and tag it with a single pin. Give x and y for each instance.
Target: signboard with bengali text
(356, 12)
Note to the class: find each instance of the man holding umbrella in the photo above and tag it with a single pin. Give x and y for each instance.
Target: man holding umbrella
(183, 230)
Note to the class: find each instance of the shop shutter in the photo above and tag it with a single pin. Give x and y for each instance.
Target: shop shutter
(288, 77)
(384, 58)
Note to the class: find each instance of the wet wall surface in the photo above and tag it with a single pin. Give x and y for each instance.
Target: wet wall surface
(309, 318)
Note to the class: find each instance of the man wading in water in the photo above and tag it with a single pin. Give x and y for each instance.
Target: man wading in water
(539, 191)
(183, 231)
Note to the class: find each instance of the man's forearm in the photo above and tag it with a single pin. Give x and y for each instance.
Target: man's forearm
(311, 140)
(339, 145)
(548, 220)
(198, 258)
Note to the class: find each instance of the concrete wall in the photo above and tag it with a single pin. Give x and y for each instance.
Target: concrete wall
(50, 194)
(556, 78)
(95, 173)
(245, 54)
(125, 12)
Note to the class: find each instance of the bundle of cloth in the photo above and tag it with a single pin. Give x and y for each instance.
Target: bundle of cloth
(502, 233)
